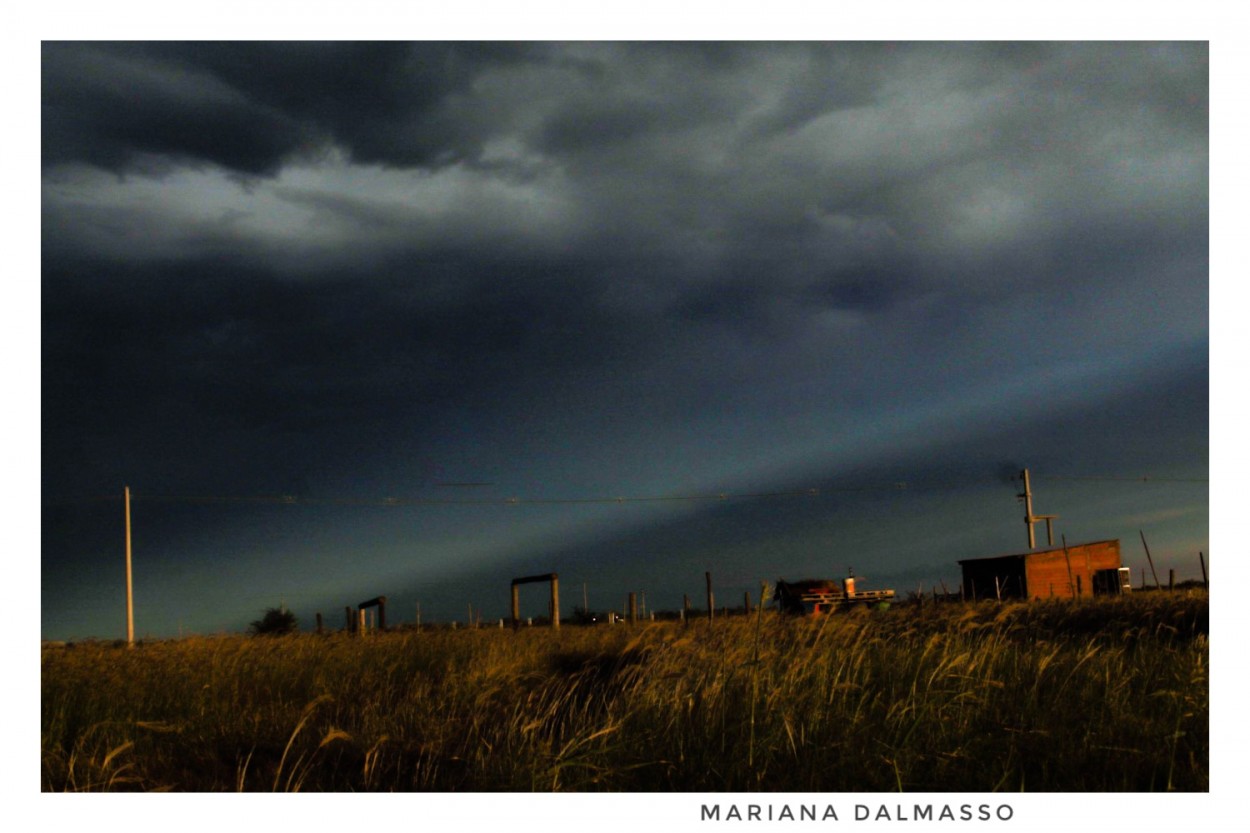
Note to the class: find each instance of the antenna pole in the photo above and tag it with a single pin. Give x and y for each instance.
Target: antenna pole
(130, 597)
(1027, 496)
(1030, 518)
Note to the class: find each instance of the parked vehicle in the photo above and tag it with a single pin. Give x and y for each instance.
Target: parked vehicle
(814, 597)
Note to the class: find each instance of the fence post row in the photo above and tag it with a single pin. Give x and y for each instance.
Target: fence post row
(356, 619)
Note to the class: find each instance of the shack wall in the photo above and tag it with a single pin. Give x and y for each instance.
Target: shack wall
(994, 578)
(1047, 572)
(1041, 574)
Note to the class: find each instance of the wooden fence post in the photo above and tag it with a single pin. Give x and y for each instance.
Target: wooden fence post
(361, 627)
(1171, 580)
(633, 608)
(319, 628)
(1203, 562)
(711, 604)
(1146, 547)
(555, 601)
(1073, 588)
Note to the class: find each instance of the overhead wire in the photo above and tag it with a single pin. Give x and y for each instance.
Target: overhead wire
(297, 500)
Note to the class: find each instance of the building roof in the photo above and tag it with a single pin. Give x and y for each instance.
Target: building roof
(1038, 552)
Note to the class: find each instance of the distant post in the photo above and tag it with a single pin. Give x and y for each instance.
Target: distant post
(633, 608)
(1203, 562)
(1146, 547)
(555, 601)
(685, 608)
(1171, 580)
(1072, 587)
(319, 626)
(710, 601)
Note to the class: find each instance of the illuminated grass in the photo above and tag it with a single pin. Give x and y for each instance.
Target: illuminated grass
(1107, 696)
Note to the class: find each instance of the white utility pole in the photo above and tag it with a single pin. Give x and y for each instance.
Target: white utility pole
(130, 597)
(1029, 518)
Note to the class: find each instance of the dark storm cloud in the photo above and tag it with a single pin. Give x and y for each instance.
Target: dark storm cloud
(143, 357)
(750, 186)
(250, 107)
(114, 106)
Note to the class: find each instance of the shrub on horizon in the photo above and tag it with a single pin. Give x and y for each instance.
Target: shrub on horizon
(277, 621)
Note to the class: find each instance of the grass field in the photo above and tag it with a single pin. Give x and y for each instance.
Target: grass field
(1094, 696)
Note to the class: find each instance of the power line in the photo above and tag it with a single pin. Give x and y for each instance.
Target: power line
(296, 500)
(1142, 479)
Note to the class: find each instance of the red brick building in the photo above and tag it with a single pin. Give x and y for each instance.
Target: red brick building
(1067, 572)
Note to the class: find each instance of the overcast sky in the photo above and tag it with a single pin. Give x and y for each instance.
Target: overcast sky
(879, 278)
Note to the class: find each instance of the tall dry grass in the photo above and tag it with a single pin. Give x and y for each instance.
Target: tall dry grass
(1106, 696)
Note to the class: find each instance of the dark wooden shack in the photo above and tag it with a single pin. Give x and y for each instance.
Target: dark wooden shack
(1066, 572)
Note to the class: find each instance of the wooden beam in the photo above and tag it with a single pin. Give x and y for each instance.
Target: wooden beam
(533, 579)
